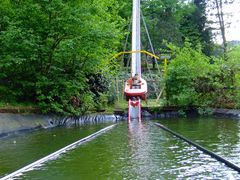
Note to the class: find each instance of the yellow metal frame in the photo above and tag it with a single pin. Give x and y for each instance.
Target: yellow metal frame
(165, 67)
(140, 51)
(146, 52)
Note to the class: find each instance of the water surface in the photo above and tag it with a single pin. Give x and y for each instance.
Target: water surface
(20, 150)
(136, 151)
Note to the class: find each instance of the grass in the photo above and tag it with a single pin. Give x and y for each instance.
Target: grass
(15, 107)
(122, 105)
(151, 103)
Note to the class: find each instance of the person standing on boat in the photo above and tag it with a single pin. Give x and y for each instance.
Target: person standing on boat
(136, 82)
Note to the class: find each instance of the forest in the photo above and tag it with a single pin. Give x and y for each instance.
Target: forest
(56, 54)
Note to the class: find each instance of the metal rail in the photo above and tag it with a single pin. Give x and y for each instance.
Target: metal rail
(138, 51)
(212, 154)
(57, 153)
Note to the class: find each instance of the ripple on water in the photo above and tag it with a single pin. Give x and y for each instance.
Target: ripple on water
(138, 151)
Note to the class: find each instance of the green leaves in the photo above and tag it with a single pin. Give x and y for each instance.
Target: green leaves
(195, 79)
(49, 47)
(188, 76)
(164, 18)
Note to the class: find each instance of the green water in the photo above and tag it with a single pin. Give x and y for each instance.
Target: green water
(135, 151)
(25, 148)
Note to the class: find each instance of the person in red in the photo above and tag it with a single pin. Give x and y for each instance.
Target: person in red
(136, 82)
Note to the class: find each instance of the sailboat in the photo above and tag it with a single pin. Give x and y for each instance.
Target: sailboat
(135, 88)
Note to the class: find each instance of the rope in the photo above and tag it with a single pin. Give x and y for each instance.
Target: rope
(151, 76)
(152, 49)
(126, 41)
(149, 39)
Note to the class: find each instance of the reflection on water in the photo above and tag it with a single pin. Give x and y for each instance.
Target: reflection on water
(218, 135)
(157, 154)
(140, 145)
(18, 151)
(143, 151)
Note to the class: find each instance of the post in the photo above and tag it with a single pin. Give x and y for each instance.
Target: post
(117, 89)
(165, 67)
(136, 39)
(136, 57)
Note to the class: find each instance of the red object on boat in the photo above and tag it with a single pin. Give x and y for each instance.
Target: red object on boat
(134, 103)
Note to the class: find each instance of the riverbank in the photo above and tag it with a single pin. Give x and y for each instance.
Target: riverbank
(13, 121)
(17, 108)
(16, 123)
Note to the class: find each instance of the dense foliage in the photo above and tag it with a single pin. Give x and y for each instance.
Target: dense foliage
(163, 19)
(49, 49)
(56, 53)
(196, 80)
(195, 27)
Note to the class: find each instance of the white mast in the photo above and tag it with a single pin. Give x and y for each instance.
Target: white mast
(136, 41)
(136, 46)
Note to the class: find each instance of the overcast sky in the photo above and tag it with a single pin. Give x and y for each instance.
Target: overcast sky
(233, 32)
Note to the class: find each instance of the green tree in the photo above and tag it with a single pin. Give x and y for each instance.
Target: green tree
(220, 20)
(163, 19)
(191, 79)
(49, 47)
(233, 74)
(194, 26)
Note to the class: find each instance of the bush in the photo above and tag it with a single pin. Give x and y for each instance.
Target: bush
(196, 80)
(234, 64)
(191, 79)
(48, 49)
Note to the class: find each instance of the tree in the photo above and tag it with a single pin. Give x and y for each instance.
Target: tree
(163, 20)
(219, 18)
(48, 49)
(187, 76)
(192, 81)
(194, 26)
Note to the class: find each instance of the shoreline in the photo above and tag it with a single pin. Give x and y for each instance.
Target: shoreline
(16, 122)
(13, 124)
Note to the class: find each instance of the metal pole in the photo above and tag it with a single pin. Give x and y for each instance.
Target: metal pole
(57, 153)
(136, 41)
(117, 89)
(212, 154)
(136, 57)
(149, 39)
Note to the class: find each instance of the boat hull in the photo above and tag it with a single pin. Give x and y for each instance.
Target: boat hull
(140, 92)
